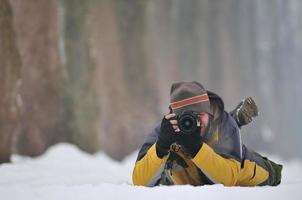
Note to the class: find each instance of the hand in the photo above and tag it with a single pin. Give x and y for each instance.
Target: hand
(166, 135)
(190, 143)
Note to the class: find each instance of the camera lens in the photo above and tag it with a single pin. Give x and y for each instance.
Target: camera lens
(187, 122)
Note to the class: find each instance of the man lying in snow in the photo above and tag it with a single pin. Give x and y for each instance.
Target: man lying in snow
(205, 150)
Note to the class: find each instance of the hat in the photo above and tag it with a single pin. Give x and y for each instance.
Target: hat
(189, 96)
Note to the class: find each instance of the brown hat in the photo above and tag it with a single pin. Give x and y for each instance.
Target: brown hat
(189, 96)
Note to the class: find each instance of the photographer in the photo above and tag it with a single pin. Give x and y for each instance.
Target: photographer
(199, 143)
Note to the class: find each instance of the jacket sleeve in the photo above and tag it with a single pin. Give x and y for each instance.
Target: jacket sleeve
(217, 168)
(226, 168)
(148, 167)
(230, 163)
(257, 170)
(222, 162)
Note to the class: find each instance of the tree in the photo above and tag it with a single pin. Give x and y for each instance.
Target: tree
(79, 88)
(42, 121)
(10, 66)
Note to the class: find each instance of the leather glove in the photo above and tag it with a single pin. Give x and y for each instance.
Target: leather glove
(166, 137)
(190, 143)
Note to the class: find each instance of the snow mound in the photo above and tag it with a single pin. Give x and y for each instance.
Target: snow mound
(65, 172)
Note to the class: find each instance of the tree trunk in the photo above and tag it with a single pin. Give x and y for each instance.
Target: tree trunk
(42, 118)
(9, 77)
(121, 76)
(79, 95)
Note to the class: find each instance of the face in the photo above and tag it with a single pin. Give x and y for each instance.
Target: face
(204, 121)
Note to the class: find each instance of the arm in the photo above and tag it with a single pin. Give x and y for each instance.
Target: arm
(257, 170)
(154, 153)
(148, 166)
(147, 171)
(217, 168)
(221, 162)
(229, 162)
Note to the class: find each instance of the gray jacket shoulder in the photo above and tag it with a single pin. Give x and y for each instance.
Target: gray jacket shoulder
(150, 139)
(229, 144)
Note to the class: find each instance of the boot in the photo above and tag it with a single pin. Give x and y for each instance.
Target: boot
(245, 111)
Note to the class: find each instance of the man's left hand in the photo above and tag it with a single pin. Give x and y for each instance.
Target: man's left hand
(190, 143)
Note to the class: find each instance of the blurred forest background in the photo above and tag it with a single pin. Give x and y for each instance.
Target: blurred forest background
(98, 73)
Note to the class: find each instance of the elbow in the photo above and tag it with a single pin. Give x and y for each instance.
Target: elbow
(230, 183)
(135, 178)
(232, 179)
(136, 181)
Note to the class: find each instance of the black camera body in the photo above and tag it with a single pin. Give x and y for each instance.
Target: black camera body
(188, 121)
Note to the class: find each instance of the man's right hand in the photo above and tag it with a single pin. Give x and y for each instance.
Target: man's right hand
(166, 136)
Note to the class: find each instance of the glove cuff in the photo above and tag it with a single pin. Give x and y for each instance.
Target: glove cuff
(193, 150)
(161, 151)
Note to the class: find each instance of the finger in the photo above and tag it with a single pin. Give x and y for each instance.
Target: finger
(173, 122)
(170, 110)
(175, 127)
(169, 116)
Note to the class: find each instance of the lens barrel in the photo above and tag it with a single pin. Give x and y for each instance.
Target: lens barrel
(187, 121)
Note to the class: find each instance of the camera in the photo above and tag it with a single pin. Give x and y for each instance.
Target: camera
(188, 121)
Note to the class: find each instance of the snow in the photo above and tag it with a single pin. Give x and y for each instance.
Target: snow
(65, 172)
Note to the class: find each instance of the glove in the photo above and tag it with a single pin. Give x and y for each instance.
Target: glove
(166, 137)
(190, 143)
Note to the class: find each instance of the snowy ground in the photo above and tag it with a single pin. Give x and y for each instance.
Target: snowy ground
(64, 172)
